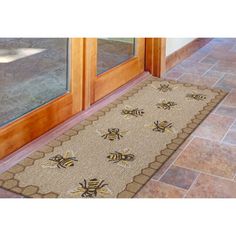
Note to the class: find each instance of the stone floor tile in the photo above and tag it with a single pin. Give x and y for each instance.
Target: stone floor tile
(216, 74)
(214, 127)
(230, 138)
(198, 80)
(226, 111)
(194, 68)
(230, 99)
(210, 157)
(156, 189)
(225, 67)
(172, 75)
(208, 186)
(180, 177)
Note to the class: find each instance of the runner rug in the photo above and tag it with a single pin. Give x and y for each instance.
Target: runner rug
(117, 150)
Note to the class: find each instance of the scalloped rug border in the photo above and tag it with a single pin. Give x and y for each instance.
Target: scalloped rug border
(8, 182)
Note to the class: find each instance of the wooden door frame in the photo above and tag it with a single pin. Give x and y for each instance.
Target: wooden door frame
(118, 73)
(155, 52)
(20, 132)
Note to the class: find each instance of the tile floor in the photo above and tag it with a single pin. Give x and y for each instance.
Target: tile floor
(205, 165)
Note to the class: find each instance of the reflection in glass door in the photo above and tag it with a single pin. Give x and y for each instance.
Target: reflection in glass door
(113, 62)
(32, 73)
(113, 51)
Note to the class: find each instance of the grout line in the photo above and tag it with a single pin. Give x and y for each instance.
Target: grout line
(229, 144)
(218, 80)
(181, 76)
(191, 186)
(206, 173)
(227, 116)
(208, 69)
(172, 186)
(175, 78)
(220, 115)
(229, 106)
(234, 177)
(230, 73)
(207, 139)
(227, 132)
(200, 61)
(214, 141)
(222, 77)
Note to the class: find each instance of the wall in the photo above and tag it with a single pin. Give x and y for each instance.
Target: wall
(173, 44)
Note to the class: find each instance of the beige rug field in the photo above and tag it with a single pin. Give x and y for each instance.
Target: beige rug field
(117, 150)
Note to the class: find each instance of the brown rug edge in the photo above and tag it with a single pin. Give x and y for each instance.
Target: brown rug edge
(132, 188)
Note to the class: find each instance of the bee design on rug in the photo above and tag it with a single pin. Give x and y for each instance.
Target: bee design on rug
(164, 87)
(162, 126)
(92, 188)
(121, 158)
(166, 105)
(61, 161)
(196, 96)
(112, 134)
(130, 112)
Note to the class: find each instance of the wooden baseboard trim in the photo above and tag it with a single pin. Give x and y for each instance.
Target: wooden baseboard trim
(185, 52)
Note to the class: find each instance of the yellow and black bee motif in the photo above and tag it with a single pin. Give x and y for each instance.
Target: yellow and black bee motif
(116, 157)
(63, 162)
(92, 188)
(162, 126)
(166, 105)
(196, 96)
(164, 87)
(113, 134)
(132, 112)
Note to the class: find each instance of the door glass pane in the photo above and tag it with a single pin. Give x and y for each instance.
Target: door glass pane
(113, 51)
(33, 71)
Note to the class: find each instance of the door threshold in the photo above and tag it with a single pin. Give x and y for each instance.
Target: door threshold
(36, 144)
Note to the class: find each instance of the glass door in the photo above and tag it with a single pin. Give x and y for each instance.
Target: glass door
(111, 52)
(40, 86)
(32, 73)
(114, 62)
